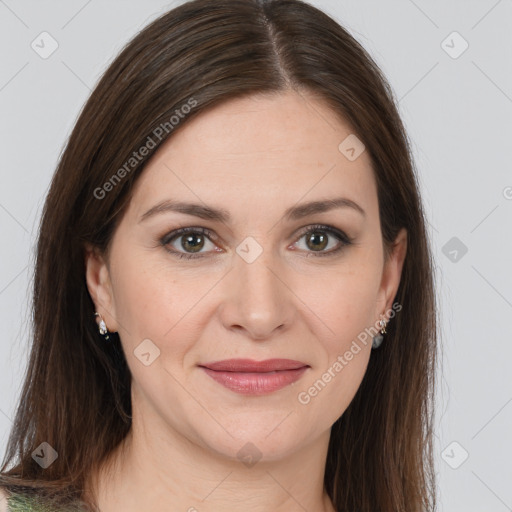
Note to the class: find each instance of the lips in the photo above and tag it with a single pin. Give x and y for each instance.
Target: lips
(251, 366)
(250, 377)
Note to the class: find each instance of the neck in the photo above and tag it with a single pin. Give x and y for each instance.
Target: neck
(160, 469)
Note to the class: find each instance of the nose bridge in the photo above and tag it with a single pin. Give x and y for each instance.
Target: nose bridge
(256, 298)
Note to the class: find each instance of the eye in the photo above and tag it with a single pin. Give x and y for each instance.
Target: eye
(189, 242)
(321, 240)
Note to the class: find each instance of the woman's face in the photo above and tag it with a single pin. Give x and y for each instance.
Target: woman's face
(258, 275)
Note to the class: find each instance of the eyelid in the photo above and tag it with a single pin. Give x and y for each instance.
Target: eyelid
(324, 227)
(344, 239)
(189, 229)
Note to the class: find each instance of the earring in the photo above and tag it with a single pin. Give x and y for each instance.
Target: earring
(102, 327)
(379, 338)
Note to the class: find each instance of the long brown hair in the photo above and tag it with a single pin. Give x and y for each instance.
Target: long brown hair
(76, 393)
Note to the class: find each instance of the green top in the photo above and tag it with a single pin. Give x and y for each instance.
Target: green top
(23, 503)
(20, 503)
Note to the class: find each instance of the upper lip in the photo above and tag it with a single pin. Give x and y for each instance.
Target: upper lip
(249, 365)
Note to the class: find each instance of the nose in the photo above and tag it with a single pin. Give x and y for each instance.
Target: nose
(257, 299)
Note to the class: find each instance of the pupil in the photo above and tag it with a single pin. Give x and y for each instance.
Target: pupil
(189, 240)
(316, 237)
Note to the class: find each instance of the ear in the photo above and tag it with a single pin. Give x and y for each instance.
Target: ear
(391, 273)
(97, 276)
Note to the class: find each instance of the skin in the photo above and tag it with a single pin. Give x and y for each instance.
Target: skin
(254, 157)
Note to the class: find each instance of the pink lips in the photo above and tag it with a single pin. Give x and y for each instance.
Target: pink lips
(246, 376)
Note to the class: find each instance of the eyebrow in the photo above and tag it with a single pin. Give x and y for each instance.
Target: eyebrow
(222, 215)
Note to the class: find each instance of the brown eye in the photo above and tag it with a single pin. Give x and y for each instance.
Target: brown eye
(317, 241)
(323, 240)
(188, 242)
(192, 242)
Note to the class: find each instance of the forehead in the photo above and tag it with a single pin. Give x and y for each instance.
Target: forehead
(256, 149)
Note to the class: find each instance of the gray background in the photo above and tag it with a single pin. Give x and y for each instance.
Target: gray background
(458, 114)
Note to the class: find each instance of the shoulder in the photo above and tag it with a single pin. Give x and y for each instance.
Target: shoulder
(11, 501)
(3, 500)
(14, 502)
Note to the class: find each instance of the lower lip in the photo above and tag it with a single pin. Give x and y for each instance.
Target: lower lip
(255, 383)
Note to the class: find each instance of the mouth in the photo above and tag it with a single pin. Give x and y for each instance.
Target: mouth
(246, 376)
(251, 366)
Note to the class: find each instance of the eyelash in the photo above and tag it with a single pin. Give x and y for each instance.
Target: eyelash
(340, 235)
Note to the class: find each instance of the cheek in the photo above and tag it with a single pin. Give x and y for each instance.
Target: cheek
(153, 303)
(347, 308)
(346, 302)
(146, 299)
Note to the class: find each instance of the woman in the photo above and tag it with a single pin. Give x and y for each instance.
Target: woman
(233, 299)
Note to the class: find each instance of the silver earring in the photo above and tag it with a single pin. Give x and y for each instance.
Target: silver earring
(379, 338)
(102, 327)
